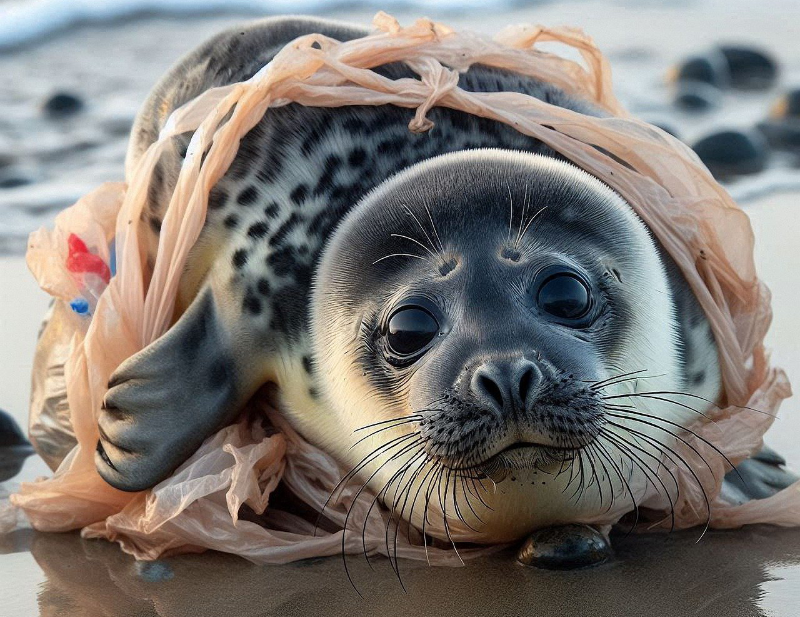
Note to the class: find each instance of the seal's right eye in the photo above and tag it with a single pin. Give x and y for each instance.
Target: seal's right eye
(410, 329)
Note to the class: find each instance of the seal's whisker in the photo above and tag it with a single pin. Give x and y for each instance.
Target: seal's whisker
(477, 492)
(525, 204)
(658, 445)
(464, 489)
(435, 231)
(384, 428)
(629, 448)
(524, 231)
(669, 452)
(403, 419)
(399, 475)
(366, 520)
(457, 508)
(661, 428)
(400, 255)
(701, 398)
(604, 383)
(647, 395)
(407, 490)
(417, 242)
(605, 454)
(592, 449)
(428, 494)
(422, 227)
(404, 450)
(444, 518)
(511, 217)
(350, 474)
(683, 428)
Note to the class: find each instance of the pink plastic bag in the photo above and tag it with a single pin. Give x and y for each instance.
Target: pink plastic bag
(198, 507)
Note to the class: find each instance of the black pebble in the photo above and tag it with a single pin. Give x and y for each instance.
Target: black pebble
(749, 68)
(782, 134)
(10, 180)
(697, 96)
(733, 152)
(710, 68)
(62, 105)
(14, 448)
(566, 547)
(10, 433)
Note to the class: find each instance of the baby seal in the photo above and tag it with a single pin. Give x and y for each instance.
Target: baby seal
(438, 310)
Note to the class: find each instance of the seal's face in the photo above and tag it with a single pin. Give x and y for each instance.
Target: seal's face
(471, 317)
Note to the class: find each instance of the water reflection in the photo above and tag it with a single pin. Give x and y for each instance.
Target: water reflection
(747, 572)
(780, 592)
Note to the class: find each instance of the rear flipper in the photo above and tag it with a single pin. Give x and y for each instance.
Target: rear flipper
(164, 401)
(761, 476)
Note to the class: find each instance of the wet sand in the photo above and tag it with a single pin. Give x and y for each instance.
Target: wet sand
(755, 571)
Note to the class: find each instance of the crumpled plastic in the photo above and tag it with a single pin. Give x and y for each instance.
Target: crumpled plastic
(236, 470)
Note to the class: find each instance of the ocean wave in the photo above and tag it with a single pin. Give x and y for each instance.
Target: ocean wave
(26, 21)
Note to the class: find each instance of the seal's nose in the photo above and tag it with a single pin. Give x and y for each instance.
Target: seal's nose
(506, 386)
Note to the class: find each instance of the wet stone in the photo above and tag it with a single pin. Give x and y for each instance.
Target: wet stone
(566, 547)
(710, 68)
(781, 134)
(62, 105)
(750, 68)
(10, 433)
(733, 152)
(14, 448)
(697, 96)
(12, 180)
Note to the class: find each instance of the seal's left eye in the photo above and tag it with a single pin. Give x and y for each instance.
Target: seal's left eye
(564, 296)
(410, 329)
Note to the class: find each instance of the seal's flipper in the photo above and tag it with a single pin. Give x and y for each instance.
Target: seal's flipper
(761, 476)
(164, 401)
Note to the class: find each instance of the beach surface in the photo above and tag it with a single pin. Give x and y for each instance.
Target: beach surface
(755, 571)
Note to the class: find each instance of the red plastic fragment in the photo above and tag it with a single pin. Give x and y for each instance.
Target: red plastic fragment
(80, 260)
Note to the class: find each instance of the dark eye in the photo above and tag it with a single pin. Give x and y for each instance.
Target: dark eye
(564, 296)
(410, 329)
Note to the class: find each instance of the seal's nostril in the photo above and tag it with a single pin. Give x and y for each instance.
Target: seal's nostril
(491, 388)
(525, 385)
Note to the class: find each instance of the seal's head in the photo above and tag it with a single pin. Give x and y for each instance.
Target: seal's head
(471, 318)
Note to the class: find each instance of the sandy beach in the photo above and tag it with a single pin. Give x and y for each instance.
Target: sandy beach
(755, 571)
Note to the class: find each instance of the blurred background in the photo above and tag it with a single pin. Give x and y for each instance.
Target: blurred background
(73, 73)
(722, 75)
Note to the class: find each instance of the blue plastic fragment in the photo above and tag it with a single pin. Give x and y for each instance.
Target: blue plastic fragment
(112, 266)
(80, 306)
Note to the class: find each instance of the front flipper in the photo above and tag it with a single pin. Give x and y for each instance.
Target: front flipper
(758, 477)
(164, 401)
(565, 547)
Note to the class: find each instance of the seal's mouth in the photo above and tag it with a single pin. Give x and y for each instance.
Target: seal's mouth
(522, 455)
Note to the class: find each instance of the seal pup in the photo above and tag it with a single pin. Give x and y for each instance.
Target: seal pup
(465, 296)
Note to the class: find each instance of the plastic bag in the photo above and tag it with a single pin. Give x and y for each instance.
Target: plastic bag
(199, 506)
